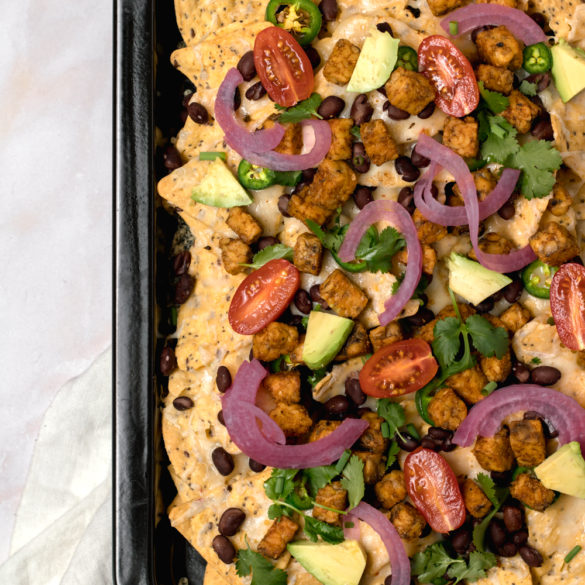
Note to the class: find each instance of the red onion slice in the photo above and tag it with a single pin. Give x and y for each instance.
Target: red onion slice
(485, 418)
(351, 532)
(475, 15)
(452, 162)
(400, 218)
(238, 136)
(291, 162)
(269, 427)
(252, 441)
(396, 551)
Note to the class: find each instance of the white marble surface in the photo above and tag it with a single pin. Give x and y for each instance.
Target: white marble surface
(55, 223)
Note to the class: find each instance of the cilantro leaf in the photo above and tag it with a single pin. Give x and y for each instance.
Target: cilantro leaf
(270, 253)
(393, 450)
(353, 481)
(498, 495)
(378, 256)
(486, 483)
(276, 511)
(392, 413)
(528, 88)
(495, 101)
(501, 142)
(475, 570)
(318, 477)
(280, 484)
(304, 109)
(447, 340)
(487, 339)
(263, 571)
(537, 159)
(329, 533)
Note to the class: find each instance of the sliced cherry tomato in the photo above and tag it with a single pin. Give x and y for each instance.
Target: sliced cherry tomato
(398, 368)
(449, 70)
(263, 296)
(433, 489)
(567, 303)
(283, 67)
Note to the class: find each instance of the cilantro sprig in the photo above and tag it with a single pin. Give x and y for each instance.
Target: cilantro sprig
(394, 418)
(495, 101)
(374, 252)
(454, 337)
(273, 252)
(263, 571)
(432, 563)
(304, 109)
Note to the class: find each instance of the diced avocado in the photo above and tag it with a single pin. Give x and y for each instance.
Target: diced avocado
(331, 564)
(375, 63)
(219, 188)
(472, 281)
(568, 69)
(564, 471)
(326, 334)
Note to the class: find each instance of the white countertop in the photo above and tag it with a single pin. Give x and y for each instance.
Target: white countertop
(55, 225)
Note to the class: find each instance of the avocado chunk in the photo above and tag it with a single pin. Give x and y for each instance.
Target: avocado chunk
(564, 471)
(219, 188)
(568, 69)
(331, 564)
(375, 63)
(326, 334)
(472, 281)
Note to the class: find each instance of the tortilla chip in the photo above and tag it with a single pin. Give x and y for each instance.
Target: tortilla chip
(557, 12)
(212, 577)
(567, 122)
(197, 19)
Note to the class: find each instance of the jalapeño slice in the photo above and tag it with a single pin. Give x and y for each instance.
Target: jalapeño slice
(407, 59)
(537, 278)
(255, 177)
(301, 18)
(537, 58)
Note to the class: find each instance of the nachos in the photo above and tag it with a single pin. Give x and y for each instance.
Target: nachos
(378, 371)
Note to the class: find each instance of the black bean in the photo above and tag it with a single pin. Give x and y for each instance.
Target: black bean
(508, 549)
(395, 113)
(198, 113)
(256, 466)
(308, 175)
(331, 107)
(361, 110)
(266, 241)
(353, 391)
(513, 291)
(183, 403)
(406, 442)
(303, 301)
(460, 540)
(497, 532)
(362, 196)
(181, 262)
(428, 443)
(168, 361)
(283, 202)
(359, 159)
(448, 446)
(501, 477)
(255, 91)
(224, 549)
(530, 556)
(406, 198)
(315, 294)
(520, 537)
(545, 375)
(313, 55)
(542, 80)
(406, 169)
(329, 10)
(184, 288)
(220, 418)
(521, 372)
(223, 379)
(507, 211)
(513, 518)
(427, 111)
(421, 317)
(418, 160)
(337, 406)
(388, 580)
(439, 433)
(246, 66)
(222, 460)
(485, 306)
(237, 98)
(542, 129)
(230, 521)
(172, 158)
(385, 27)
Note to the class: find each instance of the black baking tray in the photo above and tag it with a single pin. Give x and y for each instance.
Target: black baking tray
(146, 549)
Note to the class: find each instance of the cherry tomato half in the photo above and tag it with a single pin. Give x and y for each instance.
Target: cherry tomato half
(433, 489)
(449, 70)
(567, 303)
(263, 296)
(283, 67)
(398, 368)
